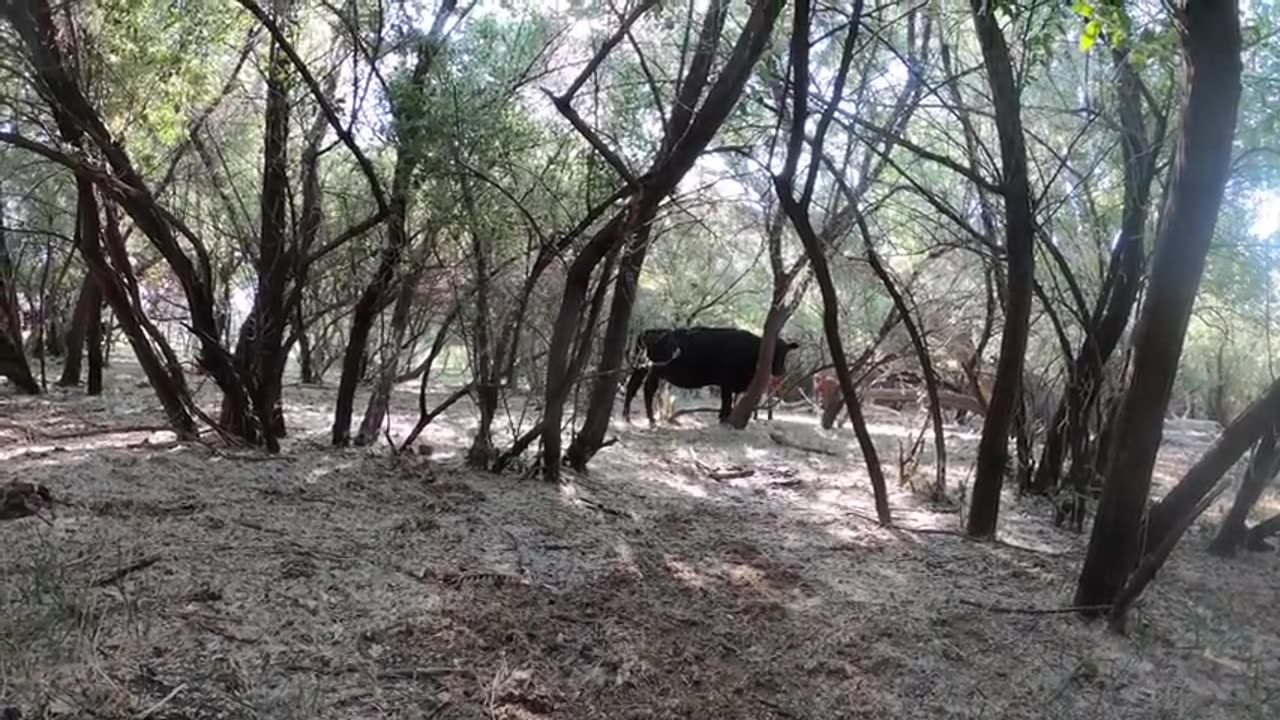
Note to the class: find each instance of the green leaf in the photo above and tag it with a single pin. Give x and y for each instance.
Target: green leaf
(1090, 35)
(1082, 8)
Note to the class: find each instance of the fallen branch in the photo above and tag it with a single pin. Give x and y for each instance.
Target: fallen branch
(691, 411)
(784, 442)
(126, 571)
(90, 432)
(164, 701)
(732, 472)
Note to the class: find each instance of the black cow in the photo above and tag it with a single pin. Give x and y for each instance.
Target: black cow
(697, 357)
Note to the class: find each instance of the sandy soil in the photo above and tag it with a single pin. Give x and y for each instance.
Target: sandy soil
(181, 581)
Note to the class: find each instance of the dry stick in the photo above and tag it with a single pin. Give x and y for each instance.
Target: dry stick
(784, 442)
(125, 571)
(1007, 610)
(164, 701)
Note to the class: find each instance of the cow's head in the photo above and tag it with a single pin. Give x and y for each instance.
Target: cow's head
(658, 345)
(780, 356)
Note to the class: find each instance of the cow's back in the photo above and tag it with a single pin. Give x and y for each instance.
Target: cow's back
(725, 357)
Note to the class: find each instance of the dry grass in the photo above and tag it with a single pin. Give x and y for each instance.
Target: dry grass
(347, 584)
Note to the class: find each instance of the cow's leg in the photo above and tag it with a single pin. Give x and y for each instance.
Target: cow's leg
(726, 404)
(650, 389)
(633, 385)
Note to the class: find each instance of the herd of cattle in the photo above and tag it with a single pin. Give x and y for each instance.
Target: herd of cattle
(699, 357)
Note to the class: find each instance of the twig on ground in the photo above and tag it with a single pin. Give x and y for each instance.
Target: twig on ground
(1012, 610)
(732, 472)
(606, 509)
(259, 527)
(784, 442)
(164, 701)
(126, 571)
(90, 432)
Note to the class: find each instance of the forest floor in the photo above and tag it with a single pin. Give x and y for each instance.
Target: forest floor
(184, 581)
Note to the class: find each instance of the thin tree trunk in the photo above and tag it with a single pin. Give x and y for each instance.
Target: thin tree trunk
(668, 169)
(1070, 427)
(410, 149)
(993, 448)
(612, 354)
(1210, 35)
(380, 398)
(93, 344)
(1236, 439)
(171, 394)
(13, 361)
(831, 327)
(75, 338)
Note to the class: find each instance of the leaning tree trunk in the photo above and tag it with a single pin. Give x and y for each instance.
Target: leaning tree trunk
(380, 398)
(1262, 469)
(1070, 426)
(171, 394)
(993, 448)
(1236, 439)
(613, 352)
(779, 310)
(668, 169)
(831, 327)
(1210, 37)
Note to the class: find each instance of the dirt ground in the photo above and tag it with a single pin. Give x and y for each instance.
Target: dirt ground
(184, 581)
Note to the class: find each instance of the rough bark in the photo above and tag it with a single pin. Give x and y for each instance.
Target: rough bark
(1210, 37)
(613, 350)
(261, 365)
(993, 448)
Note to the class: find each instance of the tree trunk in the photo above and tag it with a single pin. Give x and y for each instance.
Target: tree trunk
(259, 355)
(306, 370)
(779, 311)
(380, 399)
(1236, 439)
(993, 448)
(613, 352)
(668, 169)
(171, 394)
(1210, 36)
(831, 327)
(75, 338)
(1262, 469)
(412, 144)
(77, 119)
(13, 361)
(93, 344)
